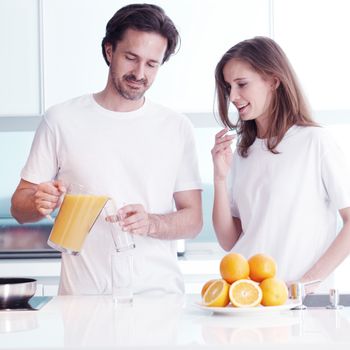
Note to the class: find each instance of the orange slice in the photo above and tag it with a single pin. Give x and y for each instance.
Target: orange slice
(245, 293)
(217, 294)
(206, 286)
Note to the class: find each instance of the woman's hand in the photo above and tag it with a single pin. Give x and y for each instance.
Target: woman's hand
(222, 154)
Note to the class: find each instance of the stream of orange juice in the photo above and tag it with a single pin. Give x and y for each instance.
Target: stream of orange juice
(75, 218)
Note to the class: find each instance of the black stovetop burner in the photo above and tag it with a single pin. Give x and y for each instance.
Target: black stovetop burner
(34, 303)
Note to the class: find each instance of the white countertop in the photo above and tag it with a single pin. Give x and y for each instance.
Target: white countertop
(168, 322)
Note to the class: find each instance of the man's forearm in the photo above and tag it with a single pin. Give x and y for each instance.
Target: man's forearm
(185, 223)
(23, 207)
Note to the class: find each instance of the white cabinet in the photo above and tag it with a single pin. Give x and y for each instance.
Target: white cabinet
(20, 59)
(45, 271)
(47, 286)
(316, 46)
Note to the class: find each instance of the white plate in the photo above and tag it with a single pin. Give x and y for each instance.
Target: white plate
(290, 304)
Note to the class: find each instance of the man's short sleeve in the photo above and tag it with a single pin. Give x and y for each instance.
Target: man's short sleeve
(188, 177)
(42, 164)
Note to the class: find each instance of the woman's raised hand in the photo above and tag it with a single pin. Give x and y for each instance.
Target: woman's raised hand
(222, 154)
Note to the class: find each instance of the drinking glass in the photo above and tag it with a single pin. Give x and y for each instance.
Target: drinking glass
(123, 240)
(122, 277)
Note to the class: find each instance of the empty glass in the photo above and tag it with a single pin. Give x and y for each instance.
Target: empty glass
(122, 277)
(123, 240)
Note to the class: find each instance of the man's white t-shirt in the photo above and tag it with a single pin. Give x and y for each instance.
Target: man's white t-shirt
(288, 202)
(143, 156)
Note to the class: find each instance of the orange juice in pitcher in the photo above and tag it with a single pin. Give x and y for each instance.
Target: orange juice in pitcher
(77, 214)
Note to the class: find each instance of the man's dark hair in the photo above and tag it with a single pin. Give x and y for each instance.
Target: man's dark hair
(142, 17)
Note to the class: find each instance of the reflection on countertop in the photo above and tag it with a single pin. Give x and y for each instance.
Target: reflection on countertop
(11, 322)
(168, 322)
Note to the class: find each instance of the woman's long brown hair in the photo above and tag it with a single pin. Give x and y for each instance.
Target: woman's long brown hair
(288, 106)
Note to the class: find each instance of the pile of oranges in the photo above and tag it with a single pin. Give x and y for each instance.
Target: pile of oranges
(245, 283)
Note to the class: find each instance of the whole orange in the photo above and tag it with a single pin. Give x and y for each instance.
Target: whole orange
(205, 286)
(261, 266)
(233, 267)
(274, 291)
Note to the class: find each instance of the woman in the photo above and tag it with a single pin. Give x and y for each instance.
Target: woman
(280, 192)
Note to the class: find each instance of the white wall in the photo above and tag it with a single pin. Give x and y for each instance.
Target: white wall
(313, 33)
(74, 63)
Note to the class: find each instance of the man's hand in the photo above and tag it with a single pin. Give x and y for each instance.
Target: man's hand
(135, 219)
(48, 196)
(185, 222)
(31, 202)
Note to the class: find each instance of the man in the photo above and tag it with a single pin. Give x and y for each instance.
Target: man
(118, 143)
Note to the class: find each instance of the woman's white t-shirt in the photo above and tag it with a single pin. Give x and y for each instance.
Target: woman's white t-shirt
(288, 202)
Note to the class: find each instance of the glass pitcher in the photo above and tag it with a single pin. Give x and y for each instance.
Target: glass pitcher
(77, 215)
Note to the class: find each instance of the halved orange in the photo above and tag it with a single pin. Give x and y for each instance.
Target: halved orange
(217, 294)
(245, 293)
(206, 286)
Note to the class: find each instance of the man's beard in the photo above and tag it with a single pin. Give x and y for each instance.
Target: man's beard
(127, 92)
